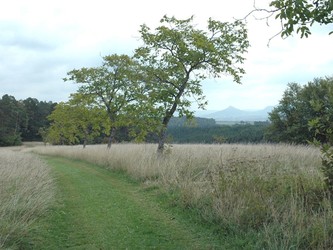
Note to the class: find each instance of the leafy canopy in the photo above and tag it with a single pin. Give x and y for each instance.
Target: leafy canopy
(177, 56)
(115, 86)
(13, 119)
(304, 113)
(72, 123)
(299, 15)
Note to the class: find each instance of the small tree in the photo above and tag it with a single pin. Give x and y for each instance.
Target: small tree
(299, 105)
(73, 122)
(177, 56)
(289, 120)
(114, 86)
(63, 128)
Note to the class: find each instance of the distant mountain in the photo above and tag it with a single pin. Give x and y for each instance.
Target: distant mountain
(234, 114)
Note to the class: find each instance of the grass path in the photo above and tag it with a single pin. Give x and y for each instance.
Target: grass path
(99, 209)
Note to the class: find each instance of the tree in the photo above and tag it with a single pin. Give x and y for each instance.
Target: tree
(13, 120)
(73, 122)
(321, 124)
(63, 129)
(321, 91)
(114, 86)
(299, 15)
(37, 112)
(177, 57)
(289, 120)
(301, 107)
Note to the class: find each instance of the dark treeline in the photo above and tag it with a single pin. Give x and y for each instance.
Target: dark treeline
(25, 120)
(196, 122)
(207, 131)
(202, 130)
(21, 120)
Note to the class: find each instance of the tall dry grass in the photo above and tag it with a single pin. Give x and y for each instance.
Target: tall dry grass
(26, 190)
(275, 190)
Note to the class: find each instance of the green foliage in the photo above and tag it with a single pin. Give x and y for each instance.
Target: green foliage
(36, 112)
(72, 123)
(321, 125)
(300, 15)
(301, 106)
(12, 119)
(195, 122)
(305, 114)
(238, 133)
(177, 57)
(327, 167)
(115, 86)
(22, 120)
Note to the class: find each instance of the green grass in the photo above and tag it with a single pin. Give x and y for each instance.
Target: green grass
(99, 209)
(252, 196)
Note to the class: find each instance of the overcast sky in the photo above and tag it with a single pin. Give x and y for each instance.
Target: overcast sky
(40, 41)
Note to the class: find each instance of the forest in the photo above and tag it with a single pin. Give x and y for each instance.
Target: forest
(212, 133)
(27, 120)
(303, 115)
(23, 120)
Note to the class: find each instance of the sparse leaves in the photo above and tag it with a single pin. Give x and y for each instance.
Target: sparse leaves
(297, 16)
(300, 15)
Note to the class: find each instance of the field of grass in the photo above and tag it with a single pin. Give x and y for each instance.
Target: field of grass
(100, 209)
(26, 191)
(275, 192)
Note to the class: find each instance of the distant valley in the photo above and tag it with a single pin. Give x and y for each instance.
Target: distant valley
(233, 114)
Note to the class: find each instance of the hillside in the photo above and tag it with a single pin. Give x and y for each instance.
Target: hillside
(234, 114)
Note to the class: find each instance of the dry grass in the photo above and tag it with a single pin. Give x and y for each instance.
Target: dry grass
(26, 190)
(275, 190)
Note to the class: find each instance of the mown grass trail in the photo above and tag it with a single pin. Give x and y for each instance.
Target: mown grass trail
(99, 209)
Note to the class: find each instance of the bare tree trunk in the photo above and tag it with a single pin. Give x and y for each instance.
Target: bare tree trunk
(112, 133)
(166, 119)
(161, 141)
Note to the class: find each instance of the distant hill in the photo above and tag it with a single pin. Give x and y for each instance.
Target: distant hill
(236, 115)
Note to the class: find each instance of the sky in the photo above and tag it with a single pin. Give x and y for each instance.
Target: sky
(40, 41)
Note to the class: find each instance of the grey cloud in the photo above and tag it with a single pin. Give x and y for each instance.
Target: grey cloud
(15, 35)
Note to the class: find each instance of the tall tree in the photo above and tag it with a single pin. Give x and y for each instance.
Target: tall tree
(114, 86)
(13, 120)
(37, 112)
(177, 56)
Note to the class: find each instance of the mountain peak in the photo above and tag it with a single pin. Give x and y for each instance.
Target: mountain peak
(234, 114)
(231, 108)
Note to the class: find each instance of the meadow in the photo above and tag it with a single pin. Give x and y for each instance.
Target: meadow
(26, 192)
(274, 194)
